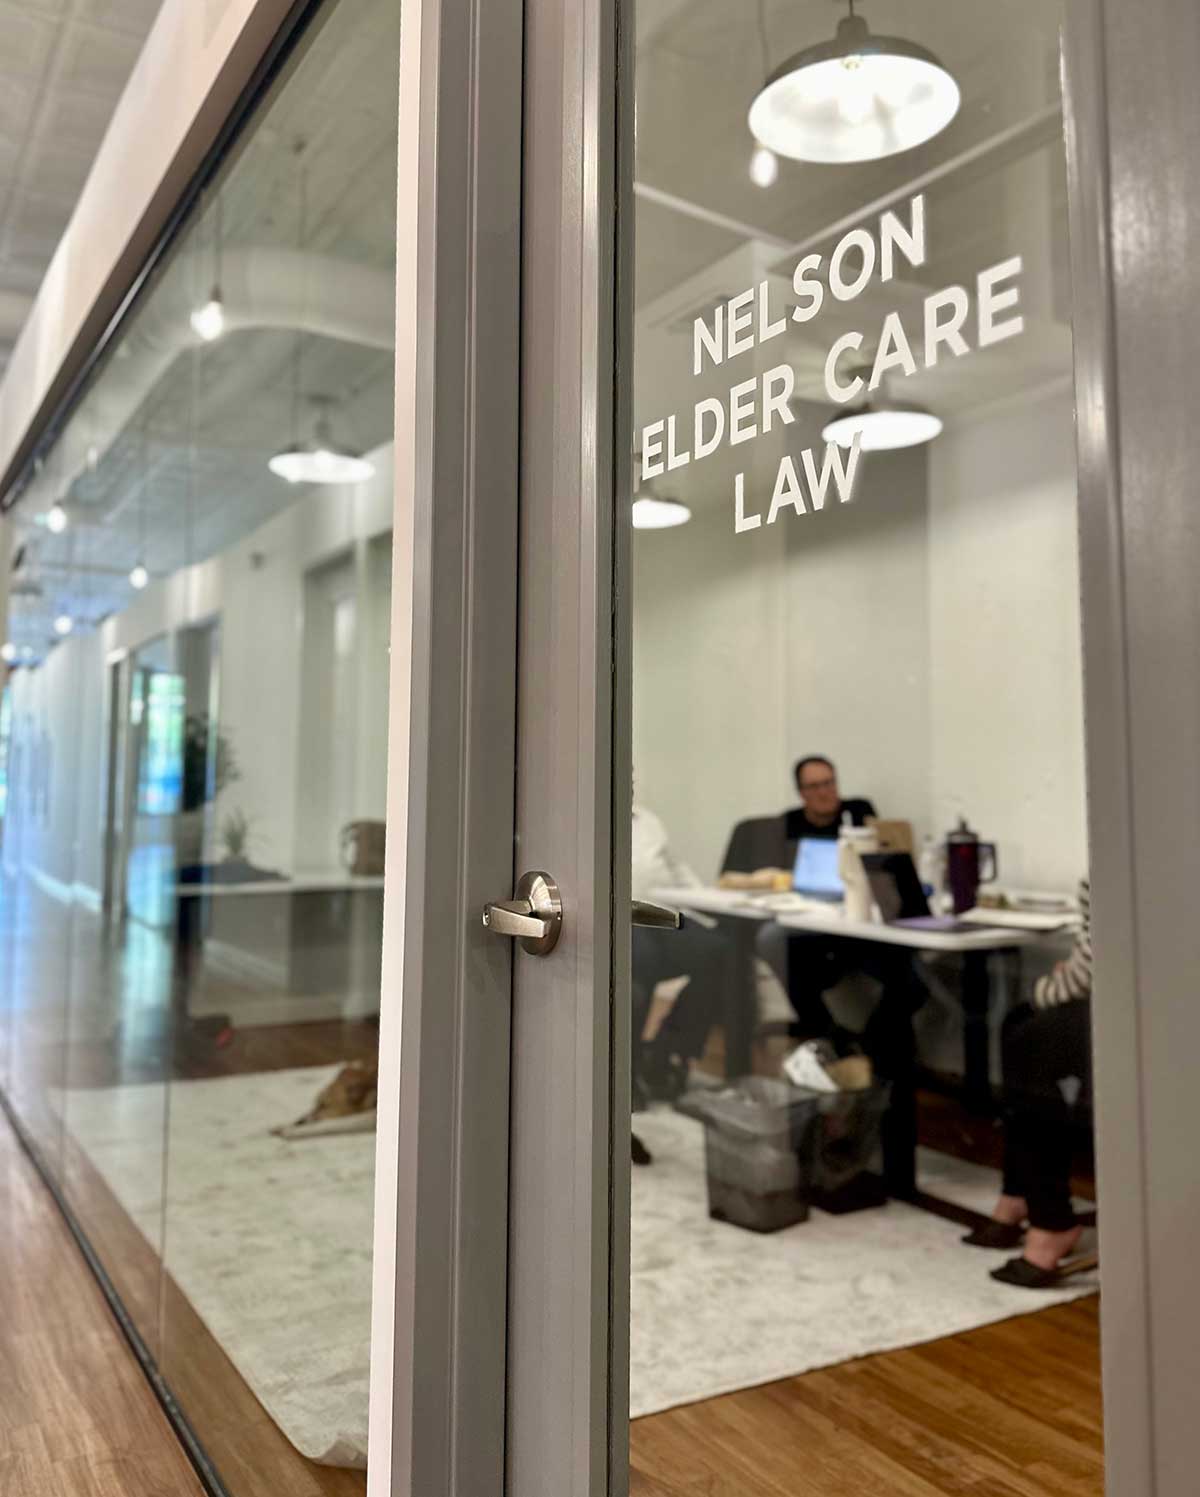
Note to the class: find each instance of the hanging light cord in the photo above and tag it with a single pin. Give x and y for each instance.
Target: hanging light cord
(762, 35)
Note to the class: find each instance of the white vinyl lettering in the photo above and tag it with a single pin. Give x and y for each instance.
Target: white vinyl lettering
(705, 342)
(843, 474)
(741, 410)
(741, 323)
(938, 332)
(652, 449)
(702, 445)
(861, 240)
(741, 520)
(992, 301)
(833, 388)
(675, 459)
(787, 491)
(893, 352)
(894, 236)
(766, 328)
(811, 293)
(778, 386)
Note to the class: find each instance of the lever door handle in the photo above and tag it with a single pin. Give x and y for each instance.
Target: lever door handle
(534, 917)
(656, 915)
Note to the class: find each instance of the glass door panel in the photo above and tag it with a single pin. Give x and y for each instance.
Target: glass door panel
(861, 1069)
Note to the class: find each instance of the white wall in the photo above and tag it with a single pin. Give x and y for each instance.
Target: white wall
(810, 636)
(926, 637)
(256, 589)
(1007, 679)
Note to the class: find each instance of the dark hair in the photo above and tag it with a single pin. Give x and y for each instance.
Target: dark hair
(802, 765)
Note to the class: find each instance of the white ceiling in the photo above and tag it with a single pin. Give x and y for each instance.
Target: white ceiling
(63, 66)
(316, 171)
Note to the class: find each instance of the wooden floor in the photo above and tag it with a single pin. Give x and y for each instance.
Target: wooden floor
(77, 1417)
(1012, 1410)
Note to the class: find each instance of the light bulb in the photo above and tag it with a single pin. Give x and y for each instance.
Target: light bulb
(764, 167)
(56, 519)
(63, 624)
(138, 577)
(208, 321)
(8, 652)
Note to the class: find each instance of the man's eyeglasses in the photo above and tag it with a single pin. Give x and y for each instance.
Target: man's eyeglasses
(828, 784)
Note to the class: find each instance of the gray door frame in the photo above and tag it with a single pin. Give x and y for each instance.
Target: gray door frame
(560, 1190)
(441, 1219)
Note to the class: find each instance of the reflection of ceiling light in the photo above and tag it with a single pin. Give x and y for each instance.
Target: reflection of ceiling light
(208, 321)
(63, 624)
(884, 427)
(650, 513)
(56, 519)
(857, 98)
(764, 167)
(8, 652)
(138, 577)
(321, 461)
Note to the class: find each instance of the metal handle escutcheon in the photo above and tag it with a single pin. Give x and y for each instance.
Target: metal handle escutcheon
(534, 917)
(656, 915)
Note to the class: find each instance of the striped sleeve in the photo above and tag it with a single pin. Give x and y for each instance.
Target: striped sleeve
(1073, 978)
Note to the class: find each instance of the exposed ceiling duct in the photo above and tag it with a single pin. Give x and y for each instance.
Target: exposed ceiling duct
(261, 288)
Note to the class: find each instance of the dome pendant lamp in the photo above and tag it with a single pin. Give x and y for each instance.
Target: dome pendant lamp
(860, 97)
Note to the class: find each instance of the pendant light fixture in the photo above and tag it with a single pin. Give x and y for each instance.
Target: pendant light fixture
(652, 513)
(208, 321)
(317, 458)
(885, 425)
(859, 97)
(56, 519)
(321, 459)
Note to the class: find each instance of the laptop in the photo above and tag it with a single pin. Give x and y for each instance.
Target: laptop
(897, 891)
(815, 873)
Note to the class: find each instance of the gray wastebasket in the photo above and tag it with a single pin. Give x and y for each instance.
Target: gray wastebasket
(755, 1148)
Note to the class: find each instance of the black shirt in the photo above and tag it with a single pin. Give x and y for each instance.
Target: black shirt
(770, 841)
(797, 824)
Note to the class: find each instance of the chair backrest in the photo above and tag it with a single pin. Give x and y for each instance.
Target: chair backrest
(760, 842)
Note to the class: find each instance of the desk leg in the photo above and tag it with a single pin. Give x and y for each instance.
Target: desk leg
(741, 998)
(977, 996)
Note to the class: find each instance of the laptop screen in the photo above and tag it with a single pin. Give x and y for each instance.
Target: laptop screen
(895, 886)
(816, 870)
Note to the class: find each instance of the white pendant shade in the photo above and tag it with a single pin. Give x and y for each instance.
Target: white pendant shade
(858, 98)
(208, 321)
(650, 513)
(138, 577)
(321, 461)
(884, 428)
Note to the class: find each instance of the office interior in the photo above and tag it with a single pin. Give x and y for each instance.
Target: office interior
(195, 720)
(924, 637)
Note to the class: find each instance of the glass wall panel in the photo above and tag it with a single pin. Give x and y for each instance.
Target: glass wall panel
(858, 751)
(196, 730)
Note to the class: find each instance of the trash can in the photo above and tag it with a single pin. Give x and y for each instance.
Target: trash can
(842, 1149)
(755, 1150)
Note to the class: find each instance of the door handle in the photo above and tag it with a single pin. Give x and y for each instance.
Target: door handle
(657, 916)
(534, 917)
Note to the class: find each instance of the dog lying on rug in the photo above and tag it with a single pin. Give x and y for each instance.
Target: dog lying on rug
(346, 1105)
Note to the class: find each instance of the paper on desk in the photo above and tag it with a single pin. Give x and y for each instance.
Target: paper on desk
(1021, 919)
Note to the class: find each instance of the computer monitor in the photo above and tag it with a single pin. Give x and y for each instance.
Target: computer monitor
(816, 871)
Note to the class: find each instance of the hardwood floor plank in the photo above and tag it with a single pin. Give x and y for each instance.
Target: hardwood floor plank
(1011, 1410)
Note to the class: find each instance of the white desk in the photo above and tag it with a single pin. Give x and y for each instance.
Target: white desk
(744, 913)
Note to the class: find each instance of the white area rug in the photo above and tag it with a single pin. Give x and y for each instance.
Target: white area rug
(271, 1242)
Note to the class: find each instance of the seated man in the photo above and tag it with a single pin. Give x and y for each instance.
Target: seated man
(771, 841)
(808, 966)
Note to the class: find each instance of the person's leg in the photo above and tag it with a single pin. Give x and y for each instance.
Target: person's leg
(1042, 1048)
(890, 1042)
(806, 967)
